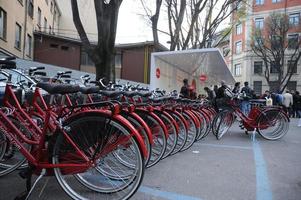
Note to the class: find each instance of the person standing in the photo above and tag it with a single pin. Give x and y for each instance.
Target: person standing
(184, 93)
(236, 88)
(287, 101)
(210, 94)
(246, 95)
(297, 103)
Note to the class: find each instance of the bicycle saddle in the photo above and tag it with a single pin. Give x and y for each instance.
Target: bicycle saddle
(110, 94)
(129, 93)
(55, 88)
(89, 90)
(7, 64)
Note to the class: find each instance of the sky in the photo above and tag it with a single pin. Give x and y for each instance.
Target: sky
(134, 27)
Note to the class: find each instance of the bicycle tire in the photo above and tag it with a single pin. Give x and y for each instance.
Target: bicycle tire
(272, 124)
(159, 137)
(139, 127)
(182, 133)
(10, 163)
(191, 131)
(172, 133)
(92, 183)
(226, 119)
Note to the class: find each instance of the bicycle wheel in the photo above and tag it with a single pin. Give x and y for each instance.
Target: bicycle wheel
(118, 165)
(13, 158)
(191, 132)
(182, 134)
(208, 122)
(203, 127)
(272, 124)
(172, 134)
(159, 137)
(3, 144)
(139, 127)
(222, 123)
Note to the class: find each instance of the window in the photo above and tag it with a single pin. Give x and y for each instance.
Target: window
(238, 47)
(54, 45)
(85, 60)
(238, 29)
(28, 45)
(226, 51)
(18, 36)
(258, 67)
(237, 70)
(294, 19)
(65, 48)
(273, 67)
(291, 67)
(293, 41)
(257, 86)
(51, 6)
(30, 8)
(259, 2)
(258, 42)
(3, 23)
(39, 17)
(259, 23)
(276, 1)
(291, 85)
(276, 42)
(45, 24)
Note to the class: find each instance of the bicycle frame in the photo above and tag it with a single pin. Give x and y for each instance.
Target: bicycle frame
(35, 157)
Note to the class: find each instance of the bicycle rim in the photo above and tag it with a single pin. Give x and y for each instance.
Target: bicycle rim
(109, 178)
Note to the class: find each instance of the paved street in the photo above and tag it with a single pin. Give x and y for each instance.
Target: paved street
(234, 168)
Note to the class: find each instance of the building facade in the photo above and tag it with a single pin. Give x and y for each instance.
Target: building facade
(19, 19)
(243, 63)
(132, 61)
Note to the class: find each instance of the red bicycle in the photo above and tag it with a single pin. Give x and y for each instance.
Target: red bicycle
(271, 122)
(82, 147)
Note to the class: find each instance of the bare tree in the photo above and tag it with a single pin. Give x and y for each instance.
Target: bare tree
(274, 47)
(103, 53)
(192, 23)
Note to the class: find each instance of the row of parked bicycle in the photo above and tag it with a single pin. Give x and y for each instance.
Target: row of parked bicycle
(97, 143)
(98, 139)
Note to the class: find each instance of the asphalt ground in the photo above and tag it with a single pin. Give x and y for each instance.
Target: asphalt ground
(235, 167)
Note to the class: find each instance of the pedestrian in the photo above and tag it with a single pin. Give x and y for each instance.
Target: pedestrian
(236, 88)
(265, 95)
(215, 88)
(221, 97)
(246, 96)
(210, 94)
(287, 101)
(184, 93)
(297, 103)
(221, 90)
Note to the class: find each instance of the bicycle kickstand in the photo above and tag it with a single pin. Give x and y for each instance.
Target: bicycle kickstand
(29, 188)
(253, 135)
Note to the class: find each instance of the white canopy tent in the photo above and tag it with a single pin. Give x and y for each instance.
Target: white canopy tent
(168, 69)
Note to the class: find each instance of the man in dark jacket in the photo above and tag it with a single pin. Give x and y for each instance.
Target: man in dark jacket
(210, 94)
(184, 93)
